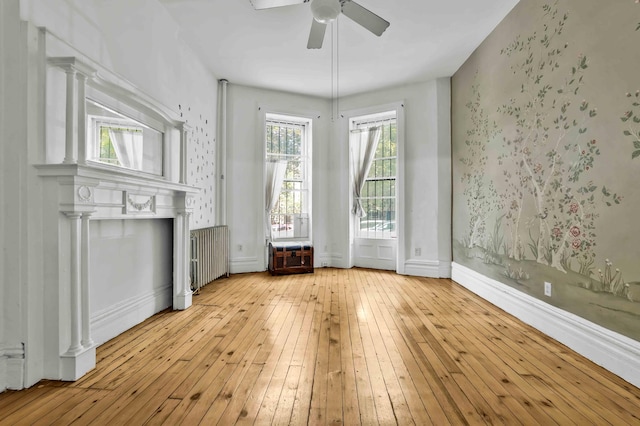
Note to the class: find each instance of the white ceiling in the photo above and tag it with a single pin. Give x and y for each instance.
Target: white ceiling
(267, 48)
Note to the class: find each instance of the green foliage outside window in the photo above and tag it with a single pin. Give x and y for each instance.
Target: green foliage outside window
(107, 151)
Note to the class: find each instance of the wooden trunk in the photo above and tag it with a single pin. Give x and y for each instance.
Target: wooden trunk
(290, 259)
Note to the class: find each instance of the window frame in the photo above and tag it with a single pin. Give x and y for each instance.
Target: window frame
(305, 180)
(385, 228)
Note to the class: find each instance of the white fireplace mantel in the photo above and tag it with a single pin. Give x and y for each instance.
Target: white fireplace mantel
(77, 191)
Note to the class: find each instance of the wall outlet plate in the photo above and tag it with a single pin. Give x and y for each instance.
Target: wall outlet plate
(547, 289)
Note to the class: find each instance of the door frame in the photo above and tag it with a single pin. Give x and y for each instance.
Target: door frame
(349, 116)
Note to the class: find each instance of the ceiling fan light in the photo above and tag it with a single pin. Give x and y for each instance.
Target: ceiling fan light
(325, 11)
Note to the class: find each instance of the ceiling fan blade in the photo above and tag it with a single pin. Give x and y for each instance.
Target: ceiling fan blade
(365, 17)
(316, 36)
(268, 4)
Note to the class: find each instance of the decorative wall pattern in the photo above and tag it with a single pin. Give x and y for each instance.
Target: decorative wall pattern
(546, 135)
(201, 165)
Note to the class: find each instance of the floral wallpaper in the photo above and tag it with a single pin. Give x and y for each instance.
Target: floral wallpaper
(546, 140)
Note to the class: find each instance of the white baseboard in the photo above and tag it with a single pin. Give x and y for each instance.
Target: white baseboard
(11, 367)
(116, 319)
(243, 265)
(427, 268)
(323, 260)
(338, 260)
(613, 351)
(445, 269)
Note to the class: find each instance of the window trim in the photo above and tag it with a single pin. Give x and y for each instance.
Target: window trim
(357, 124)
(306, 121)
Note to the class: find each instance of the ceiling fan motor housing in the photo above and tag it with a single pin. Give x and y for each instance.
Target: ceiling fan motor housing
(325, 11)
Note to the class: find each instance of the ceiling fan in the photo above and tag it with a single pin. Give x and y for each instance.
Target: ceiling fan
(326, 11)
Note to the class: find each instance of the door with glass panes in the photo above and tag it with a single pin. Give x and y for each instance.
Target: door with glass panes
(374, 149)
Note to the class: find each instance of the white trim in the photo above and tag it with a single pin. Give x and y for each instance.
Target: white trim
(613, 351)
(445, 269)
(427, 268)
(243, 265)
(11, 367)
(322, 260)
(110, 322)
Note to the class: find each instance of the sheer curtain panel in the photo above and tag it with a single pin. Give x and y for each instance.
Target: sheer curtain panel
(363, 148)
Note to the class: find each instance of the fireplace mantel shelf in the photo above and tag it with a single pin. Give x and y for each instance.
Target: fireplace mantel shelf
(101, 172)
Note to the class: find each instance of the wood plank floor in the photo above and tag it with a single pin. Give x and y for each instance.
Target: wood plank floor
(334, 347)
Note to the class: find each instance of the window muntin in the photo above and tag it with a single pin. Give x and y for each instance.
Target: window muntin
(378, 195)
(287, 140)
(123, 142)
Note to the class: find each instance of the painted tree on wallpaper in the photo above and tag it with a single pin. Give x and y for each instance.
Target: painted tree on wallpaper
(538, 166)
(479, 190)
(631, 120)
(548, 153)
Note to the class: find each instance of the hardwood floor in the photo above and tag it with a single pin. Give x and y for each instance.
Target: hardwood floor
(334, 347)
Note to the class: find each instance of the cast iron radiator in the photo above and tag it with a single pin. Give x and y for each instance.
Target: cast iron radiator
(209, 255)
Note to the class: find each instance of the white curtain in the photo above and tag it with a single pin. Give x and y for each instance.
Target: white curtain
(128, 146)
(363, 149)
(275, 176)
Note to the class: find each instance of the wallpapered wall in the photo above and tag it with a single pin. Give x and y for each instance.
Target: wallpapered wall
(546, 157)
(200, 164)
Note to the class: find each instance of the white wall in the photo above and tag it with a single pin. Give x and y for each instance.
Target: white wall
(427, 174)
(139, 42)
(21, 231)
(8, 32)
(245, 169)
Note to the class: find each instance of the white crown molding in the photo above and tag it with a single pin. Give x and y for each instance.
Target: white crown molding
(613, 351)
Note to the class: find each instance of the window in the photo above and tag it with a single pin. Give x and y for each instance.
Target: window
(288, 177)
(378, 193)
(124, 142)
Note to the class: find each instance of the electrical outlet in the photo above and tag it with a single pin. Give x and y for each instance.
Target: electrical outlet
(547, 289)
(324, 264)
(239, 247)
(418, 251)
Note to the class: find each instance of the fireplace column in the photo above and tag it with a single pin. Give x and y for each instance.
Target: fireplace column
(182, 254)
(80, 355)
(87, 341)
(74, 283)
